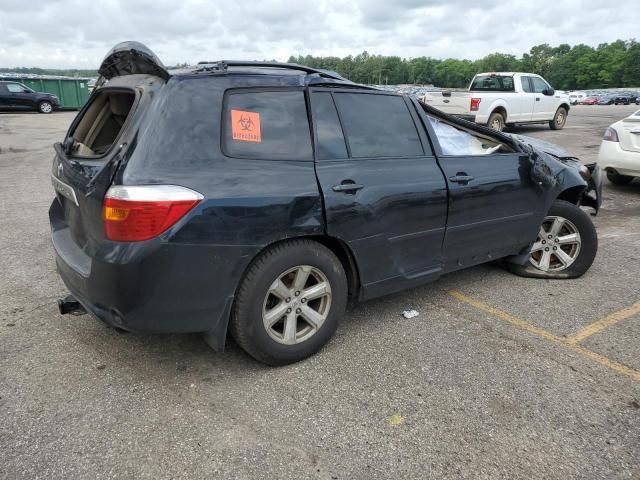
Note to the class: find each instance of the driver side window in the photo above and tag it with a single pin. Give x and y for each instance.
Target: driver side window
(457, 141)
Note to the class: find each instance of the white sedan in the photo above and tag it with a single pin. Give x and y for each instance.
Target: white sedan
(619, 152)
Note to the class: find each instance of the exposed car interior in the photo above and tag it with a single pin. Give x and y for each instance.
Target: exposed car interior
(101, 124)
(457, 141)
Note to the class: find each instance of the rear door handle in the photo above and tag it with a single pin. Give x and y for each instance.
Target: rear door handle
(347, 187)
(461, 178)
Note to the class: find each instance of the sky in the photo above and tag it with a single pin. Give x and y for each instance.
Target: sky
(77, 34)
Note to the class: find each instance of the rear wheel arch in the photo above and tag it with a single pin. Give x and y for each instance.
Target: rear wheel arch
(502, 111)
(339, 248)
(497, 119)
(348, 260)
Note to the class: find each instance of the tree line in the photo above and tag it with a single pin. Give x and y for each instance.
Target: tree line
(608, 65)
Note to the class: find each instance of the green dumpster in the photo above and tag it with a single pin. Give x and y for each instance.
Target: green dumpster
(72, 92)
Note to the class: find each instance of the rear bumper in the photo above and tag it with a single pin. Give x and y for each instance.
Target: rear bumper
(154, 286)
(613, 158)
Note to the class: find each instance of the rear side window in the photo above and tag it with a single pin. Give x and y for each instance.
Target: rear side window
(492, 83)
(267, 125)
(378, 125)
(526, 85)
(330, 140)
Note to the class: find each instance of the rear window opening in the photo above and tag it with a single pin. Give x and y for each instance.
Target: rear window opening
(101, 123)
(492, 83)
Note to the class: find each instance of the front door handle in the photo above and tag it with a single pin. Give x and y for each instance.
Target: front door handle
(537, 99)
(348, 186)
(461, 178)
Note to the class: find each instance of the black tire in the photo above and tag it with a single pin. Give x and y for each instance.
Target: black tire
(588, 247)
(246, 323)
(496, 121)
(618, 179)
(559, 119)
(45, 107)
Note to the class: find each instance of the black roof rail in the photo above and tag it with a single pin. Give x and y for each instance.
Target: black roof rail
(223, 64)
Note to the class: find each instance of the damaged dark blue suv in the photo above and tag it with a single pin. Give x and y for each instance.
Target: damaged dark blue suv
(263, 198)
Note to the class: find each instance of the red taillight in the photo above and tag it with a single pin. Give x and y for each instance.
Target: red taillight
(611, 135)
(136, 213)
(475, 104)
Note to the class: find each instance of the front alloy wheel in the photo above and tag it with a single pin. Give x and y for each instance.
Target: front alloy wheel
(559, 119)
(565, 247)
(557, 246)
(45, 107)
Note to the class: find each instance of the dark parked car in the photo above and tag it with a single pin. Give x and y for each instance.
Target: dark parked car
(16, 96)
(606, 100)
(264, 198)
(626, 98)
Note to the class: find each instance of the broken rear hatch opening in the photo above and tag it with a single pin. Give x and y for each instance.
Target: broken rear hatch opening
(84, 167)
(86, 162)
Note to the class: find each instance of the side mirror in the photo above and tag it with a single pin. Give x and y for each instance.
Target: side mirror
(549, 92)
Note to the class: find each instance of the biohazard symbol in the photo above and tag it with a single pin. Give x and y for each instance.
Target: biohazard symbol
(245, 126)
(246, 123)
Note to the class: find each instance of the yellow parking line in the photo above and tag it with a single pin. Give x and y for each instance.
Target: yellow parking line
(526, 326)
(518, 322)
(606, 322)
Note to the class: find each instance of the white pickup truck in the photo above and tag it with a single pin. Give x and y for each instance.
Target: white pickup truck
(505, 98)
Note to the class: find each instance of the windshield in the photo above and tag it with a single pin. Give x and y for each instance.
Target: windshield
(492, 83)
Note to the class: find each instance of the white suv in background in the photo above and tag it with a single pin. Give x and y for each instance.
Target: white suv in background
(619, 152)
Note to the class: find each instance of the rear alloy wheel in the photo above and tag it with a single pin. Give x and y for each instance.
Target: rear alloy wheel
(496, 121)
(45, 107)
(296, 305)
(559, 119)
(565, 247)
(289, 302)
(618, 179)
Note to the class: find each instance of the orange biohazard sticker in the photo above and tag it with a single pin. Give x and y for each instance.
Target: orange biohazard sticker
(245, 126)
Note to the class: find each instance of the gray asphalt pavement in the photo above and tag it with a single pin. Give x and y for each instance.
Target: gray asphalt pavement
(498, 377)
